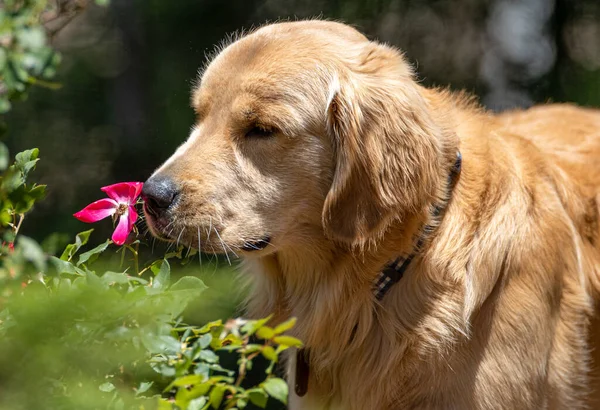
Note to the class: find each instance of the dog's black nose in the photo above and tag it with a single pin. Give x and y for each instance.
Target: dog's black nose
(159, 193)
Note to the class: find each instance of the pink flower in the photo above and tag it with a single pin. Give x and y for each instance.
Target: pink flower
(120, 204)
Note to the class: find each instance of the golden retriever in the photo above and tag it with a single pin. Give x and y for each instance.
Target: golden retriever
(319, 159)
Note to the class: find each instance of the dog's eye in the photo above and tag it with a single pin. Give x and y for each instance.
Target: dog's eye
(259, 131)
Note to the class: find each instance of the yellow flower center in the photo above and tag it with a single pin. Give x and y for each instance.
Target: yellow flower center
(121, 209)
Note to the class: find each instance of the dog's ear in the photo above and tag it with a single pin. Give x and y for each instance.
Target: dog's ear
(387, 146)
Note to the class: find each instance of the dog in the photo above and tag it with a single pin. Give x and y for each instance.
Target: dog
(436, 256)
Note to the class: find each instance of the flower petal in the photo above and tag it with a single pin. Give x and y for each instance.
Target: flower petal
(124, 192)
(137, 188)
(132, 216)
(97, 210)
(123, 229)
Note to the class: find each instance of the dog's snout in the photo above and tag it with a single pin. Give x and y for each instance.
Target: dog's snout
(159, 193)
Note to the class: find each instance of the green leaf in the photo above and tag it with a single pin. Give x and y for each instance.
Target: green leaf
(64, 284)
(258, 397)
(23, 198)
(216, 396)
(37, 192)
(189, 380)
(5, 105)
(204, 340)
(199, 390)
(276, 388)
(110, 278)
(207, 327)
(80, 239)
(241, 403)
(253, 325)
(68, 252)
(24, 157)
(160, 344)
(107, 387)
(3, 58)
(188, 283)
(93, 254)
(144, 387)
(208, 356)
(288, 341)
(269, 353)
(285, 326)
(202, 369)
(32, 38)
(12, 179)
(265, 332)
(251, 348)
(197, 404)
(27, 167)
(32, 252)
(161, 280)
(164, 404)
(62, 266)
(4, 155)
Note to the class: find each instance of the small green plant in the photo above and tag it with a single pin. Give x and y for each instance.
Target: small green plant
(201, 383)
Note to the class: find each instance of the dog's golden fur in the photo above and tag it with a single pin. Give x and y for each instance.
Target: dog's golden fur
(493, 314)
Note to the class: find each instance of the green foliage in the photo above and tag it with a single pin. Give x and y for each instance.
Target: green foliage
(201, 383)
(17, 197)
(86, 338)
(25, 56)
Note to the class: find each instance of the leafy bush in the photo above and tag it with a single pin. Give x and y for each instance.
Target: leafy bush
(76, 337)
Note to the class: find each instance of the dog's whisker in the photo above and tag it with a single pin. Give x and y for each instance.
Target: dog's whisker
(213, 254)
(226, 244)
(188, 251)
(199, 247)
(209, 228)
(223, 246)
(170, 243)
(231, 250)
(179, 237)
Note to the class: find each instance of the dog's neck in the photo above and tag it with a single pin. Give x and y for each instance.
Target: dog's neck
(328, 286)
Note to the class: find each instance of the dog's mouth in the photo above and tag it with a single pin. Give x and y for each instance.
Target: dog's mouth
(252, 246)
(156, 224)
(207, 239)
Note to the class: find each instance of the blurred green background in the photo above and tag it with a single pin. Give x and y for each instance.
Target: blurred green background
(127, 71)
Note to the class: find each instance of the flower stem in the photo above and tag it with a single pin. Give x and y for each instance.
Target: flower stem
(16, 229)
(135, 258)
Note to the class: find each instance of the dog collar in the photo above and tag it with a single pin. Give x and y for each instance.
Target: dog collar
(394, 270)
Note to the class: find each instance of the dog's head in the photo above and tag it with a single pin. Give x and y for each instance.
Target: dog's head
(302, 128)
